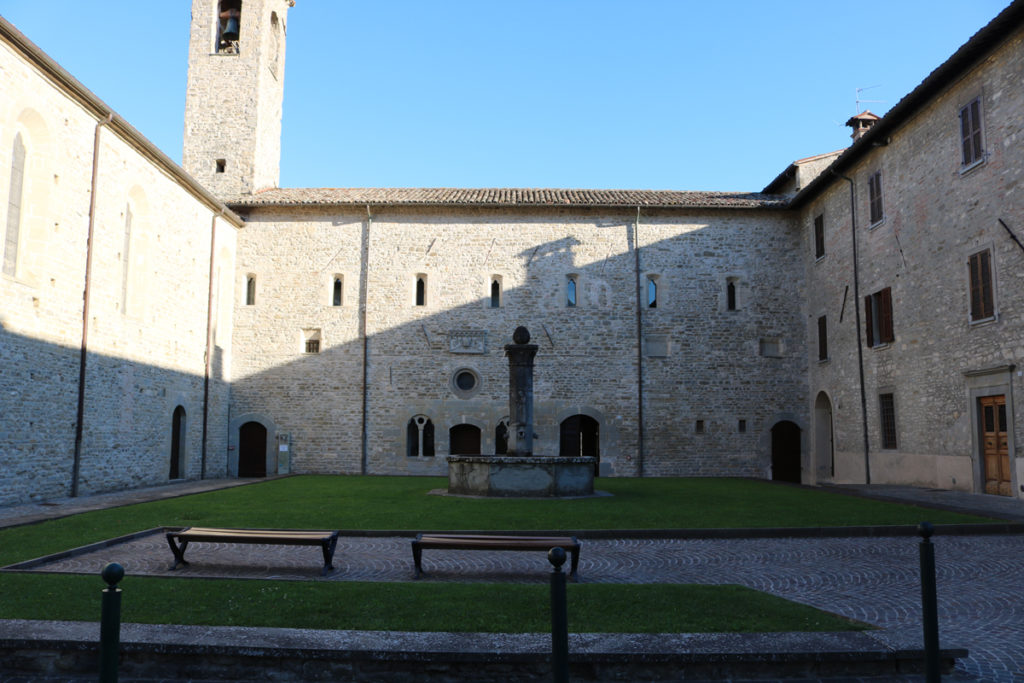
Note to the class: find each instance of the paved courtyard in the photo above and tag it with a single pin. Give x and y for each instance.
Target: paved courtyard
(875, 580)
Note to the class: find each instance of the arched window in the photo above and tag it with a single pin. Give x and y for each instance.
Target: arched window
(730, 295)
(464, 439)
(250, 290)
(570, 291)
(652, 291)
(495, 293)
(14, 199)
(419, 437)
(126, 258)
(501, 437)
(336, 291)
(421, 290)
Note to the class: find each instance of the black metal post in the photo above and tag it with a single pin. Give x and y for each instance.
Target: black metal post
(559, 618)
(929, 604)
(110, 623)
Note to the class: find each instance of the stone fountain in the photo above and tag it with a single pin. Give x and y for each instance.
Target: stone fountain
(520, 473)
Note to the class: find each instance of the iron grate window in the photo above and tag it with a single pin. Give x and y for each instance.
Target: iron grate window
(312, 346)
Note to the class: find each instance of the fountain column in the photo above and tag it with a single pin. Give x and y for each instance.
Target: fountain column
(520, 393)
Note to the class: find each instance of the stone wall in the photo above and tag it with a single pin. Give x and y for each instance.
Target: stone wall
(936, 215)
(148, 293)
(700, 361)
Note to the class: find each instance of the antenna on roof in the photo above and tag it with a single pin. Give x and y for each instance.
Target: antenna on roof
(859, 101)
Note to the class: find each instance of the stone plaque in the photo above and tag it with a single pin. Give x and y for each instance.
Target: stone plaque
(467, 341)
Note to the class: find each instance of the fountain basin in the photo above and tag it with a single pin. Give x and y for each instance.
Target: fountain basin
(535, 476)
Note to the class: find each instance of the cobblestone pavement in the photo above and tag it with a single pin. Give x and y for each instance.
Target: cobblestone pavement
(980, 578)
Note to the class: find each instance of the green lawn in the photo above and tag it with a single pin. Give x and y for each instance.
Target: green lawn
(403, 503)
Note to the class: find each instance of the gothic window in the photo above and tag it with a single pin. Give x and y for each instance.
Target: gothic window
(982, 300)
(229, 23)
(250, 290)
(419, 437)
(336, 291)
(887, 415)
(819, 236)
(878, 318)
(571, 286)
(971, 142)
(14, 199)
(126, 258)
(421, 290)
(732, 294)
(822, 339)
(495, 292)
(875, 198)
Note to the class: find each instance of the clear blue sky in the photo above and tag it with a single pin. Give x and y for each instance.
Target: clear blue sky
(633, 94)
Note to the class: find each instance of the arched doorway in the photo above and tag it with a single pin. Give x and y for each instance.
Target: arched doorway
(786, 452)
(824, 449)
(252, 450)
(464, 439)
(177, 443)
(580, 435)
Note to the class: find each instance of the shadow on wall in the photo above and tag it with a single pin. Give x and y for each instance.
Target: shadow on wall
(142, 424)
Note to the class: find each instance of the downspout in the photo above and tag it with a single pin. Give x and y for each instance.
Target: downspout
(639, 349)
(76, 466)
(209, 343)
(363, 288)
(860, 343)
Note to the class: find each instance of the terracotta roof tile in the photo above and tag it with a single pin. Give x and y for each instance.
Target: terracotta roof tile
(510, 196)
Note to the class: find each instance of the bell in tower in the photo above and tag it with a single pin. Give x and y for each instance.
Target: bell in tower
(230, 22)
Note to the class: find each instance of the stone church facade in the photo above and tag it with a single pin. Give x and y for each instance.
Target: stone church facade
(858, 318)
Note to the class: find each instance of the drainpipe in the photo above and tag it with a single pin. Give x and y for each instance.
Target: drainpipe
(84, 354)
(364, 463)
(639, 348)
(209, 343)
(860, 343)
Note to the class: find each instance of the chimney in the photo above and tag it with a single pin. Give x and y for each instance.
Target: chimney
(862, 123)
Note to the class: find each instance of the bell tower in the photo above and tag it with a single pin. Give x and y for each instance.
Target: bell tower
(235, 92)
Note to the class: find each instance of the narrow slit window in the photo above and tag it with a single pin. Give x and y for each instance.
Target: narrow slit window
(887, 414)
(741, 426)
(421, 290)
(250, 290)
(495, 294)
(698, 427)
(570, 291)
(336, 291)
(220, 165)
(652, 292)
(730, 295)
(822, 338)
(14, 199)
(819, 236)
(126, 258)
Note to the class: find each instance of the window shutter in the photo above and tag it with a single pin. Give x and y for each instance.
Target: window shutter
(869, 323)
(885, 333)
(982, 303)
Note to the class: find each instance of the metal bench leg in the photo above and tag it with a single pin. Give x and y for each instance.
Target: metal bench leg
(328, 550)
(178, 550)
(417, 558)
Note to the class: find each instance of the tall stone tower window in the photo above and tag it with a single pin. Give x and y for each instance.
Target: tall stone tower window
(571, 287)
(250, 290)
(229, 24)
(14, 206)
(731, 299)
(819, 236)
(495, 301)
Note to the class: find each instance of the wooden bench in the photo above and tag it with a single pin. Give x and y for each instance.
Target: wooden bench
(494, 542)
(179, 540)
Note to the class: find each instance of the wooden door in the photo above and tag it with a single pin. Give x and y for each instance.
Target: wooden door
(995, 453)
